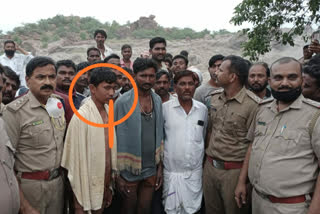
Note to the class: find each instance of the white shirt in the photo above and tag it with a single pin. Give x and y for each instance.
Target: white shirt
(17, 63)
(183, 156)
(107, 52)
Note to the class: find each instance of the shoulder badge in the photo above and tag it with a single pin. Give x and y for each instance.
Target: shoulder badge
(253, 96)
(269, 100)
(311, 102)
(18, 103)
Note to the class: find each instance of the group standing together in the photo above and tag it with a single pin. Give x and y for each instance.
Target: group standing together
(245, 141)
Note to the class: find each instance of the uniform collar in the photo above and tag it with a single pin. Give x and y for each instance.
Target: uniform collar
(238, 97)
(297, 104)
(34, 102)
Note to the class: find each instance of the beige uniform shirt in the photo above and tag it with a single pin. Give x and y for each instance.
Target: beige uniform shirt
(284, 156)
(37, 138)
(2, 107)
(9, 190)
(229, 121)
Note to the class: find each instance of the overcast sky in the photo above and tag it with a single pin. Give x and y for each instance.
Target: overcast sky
(198, 14)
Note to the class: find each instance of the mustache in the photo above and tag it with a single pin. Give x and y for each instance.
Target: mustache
(284, 87)
(46, 87)
(147, 84)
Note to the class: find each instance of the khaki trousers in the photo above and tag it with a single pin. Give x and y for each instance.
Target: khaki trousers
(263, 205)
(218, 188)
(45, 196)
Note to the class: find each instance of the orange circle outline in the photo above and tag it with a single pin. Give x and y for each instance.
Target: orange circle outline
(135, 90)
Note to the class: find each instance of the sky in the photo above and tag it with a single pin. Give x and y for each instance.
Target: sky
(198, 15)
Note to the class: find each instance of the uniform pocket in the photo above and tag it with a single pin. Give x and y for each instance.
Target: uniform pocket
(286, 141)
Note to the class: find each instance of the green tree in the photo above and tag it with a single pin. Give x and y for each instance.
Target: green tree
(268, 17)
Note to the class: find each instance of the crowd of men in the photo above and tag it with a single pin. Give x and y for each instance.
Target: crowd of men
(245, 141)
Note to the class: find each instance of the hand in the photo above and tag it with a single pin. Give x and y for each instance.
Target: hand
(159, 176)
(122, 187)
(28, 209)
(314, 47)
(241, 194)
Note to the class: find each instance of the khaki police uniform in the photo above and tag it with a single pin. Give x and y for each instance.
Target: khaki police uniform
(2, 107)
(38, 141)
(229, 122)
(284, 158)
(9, 190)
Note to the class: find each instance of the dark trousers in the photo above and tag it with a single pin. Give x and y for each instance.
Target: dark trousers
(139, 198)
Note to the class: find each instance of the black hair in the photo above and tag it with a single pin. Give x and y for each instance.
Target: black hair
(141, 64)
(39, 61)
(9, 41)
(168, 60)
(82, 65)
(215, 58)
(156, 40)
(129, 70)
(66, 62)
(184, 53)
(314, 72)
(181, 57)
(285, 60)
(102, 32)
(181, 74)
(315, 60)
(11, 75)
(239, 66)
(125, 46)
(263, 64)
(168, 55)
(305, 47)
(93, 49)
(112, 56)
(102, 74)
(160, 73)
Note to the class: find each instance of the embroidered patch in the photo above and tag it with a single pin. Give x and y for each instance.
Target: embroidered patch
(37, 123)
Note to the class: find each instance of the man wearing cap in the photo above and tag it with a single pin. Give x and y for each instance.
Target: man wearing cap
(283, 160)
(35, 125)
(231, 111)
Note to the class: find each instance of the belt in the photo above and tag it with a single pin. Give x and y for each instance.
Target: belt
(42, 175)
(225, 164)
(288, 200)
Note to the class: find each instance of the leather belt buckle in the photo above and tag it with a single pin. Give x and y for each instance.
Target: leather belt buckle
(218, 164)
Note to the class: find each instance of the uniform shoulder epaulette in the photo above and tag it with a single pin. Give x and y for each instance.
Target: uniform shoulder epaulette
(311, 102)
(18, 103)
(264, 101)
(253, 96)
(218, 91)
(56, 96)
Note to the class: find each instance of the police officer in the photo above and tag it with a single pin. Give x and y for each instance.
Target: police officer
(284, 157)
(36, 125)
(9, 194)
(231, 111)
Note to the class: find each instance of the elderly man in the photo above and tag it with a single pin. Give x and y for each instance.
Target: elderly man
(185, 122)
(283, 158)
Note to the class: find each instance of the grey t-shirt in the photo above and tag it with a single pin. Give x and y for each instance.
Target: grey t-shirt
(148, 147)
(203, 91)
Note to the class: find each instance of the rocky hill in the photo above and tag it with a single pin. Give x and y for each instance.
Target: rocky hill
(69, 37)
